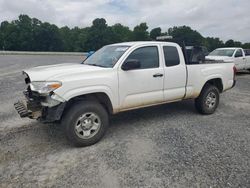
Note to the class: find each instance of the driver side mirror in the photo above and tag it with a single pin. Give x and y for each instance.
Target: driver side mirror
(131, 64)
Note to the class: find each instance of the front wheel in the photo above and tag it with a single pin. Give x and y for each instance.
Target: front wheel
(85, 123)
(208, 100)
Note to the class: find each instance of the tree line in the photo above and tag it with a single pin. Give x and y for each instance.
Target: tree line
(31, 34)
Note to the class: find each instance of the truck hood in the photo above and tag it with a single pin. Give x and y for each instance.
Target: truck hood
(52, 72)
(219, 58)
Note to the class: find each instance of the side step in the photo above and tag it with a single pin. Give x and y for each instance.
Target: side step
(21, 109)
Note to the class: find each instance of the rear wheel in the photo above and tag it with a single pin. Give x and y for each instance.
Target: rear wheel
(85, 123)
(208, 100)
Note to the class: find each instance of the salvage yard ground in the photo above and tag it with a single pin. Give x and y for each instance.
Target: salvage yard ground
(165, 146)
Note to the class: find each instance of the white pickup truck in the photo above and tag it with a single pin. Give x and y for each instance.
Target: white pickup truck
(117, 78)
(232, 55)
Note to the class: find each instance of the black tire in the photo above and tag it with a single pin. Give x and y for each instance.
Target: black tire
(203, 104)
(76, 111)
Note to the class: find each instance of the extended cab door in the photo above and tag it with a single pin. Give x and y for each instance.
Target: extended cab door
(175, 73)
(142, 86)
(239, 60)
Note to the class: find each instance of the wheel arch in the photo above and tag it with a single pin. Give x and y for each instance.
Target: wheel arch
(217, 82)
(100, 97)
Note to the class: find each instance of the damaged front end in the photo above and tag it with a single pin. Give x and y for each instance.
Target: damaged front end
(41, 102)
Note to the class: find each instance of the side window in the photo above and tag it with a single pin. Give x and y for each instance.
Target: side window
(247, 52)
(171, 56)
(148, 56)
(238, 53)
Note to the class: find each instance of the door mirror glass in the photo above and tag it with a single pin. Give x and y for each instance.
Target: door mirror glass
(131, 64)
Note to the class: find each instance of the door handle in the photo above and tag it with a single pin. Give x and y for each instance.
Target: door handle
(158, 75)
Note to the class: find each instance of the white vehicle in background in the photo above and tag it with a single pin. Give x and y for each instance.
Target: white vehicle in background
(232, 55)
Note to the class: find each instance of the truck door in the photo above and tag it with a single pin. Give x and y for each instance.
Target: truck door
(175, 73)
(142, 86)
(239, 61)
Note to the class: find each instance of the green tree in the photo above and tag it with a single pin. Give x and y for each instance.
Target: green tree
(229, 43)
(140, 32)
(1, 39)
(186, 34)
(10, 35)
(155, 33)
(81, 39)
(67, 41)
(27, 33)
(24, 32)
(99, 34)
(246, 46)
(47, 38)
(213, 43)
(73, 39)
(237, 44)
(121, 33)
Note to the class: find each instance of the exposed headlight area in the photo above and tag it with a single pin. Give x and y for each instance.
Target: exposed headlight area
(41, 102)
(41, 92)
(43, 87)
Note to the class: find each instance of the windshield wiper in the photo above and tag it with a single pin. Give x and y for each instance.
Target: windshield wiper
(96, 65)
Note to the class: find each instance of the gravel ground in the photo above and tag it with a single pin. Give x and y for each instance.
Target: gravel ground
(165, 146)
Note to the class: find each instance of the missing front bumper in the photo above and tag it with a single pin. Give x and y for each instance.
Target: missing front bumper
(22, 110)
(34, 111)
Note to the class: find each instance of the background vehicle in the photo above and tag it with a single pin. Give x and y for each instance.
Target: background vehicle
(247, 52)
(232, 55)
(118, 78)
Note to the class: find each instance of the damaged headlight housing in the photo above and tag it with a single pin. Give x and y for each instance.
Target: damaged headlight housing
(45, 87)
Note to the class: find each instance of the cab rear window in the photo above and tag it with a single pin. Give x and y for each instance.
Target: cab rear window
(171, 56)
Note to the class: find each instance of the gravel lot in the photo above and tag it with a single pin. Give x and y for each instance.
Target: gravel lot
(165, 146)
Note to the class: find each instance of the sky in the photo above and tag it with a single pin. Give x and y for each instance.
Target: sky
(226, 19)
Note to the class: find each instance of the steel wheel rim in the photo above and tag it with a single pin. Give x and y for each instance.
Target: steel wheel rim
(211, 100)
(87, 125)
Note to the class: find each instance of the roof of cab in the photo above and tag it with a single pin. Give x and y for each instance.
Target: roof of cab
(229, 48)
(133, 43)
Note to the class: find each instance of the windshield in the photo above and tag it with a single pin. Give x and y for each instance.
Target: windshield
(222, 52)
(107, 56)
